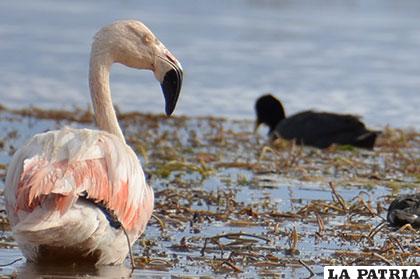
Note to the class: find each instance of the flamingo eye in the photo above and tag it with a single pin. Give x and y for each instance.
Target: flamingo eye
(147, 39)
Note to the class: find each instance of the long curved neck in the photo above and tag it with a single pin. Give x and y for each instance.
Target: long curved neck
(100, 93)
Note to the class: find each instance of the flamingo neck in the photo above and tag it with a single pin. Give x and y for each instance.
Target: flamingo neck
(100, 92)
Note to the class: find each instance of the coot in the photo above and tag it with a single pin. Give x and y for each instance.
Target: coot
(318, 129)
(405, 209)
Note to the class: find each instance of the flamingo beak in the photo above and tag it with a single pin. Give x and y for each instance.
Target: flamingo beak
(171, 87)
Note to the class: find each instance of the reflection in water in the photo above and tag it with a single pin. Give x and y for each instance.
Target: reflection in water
(31, 271)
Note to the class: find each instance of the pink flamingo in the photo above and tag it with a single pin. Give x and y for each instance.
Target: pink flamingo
(71, 193)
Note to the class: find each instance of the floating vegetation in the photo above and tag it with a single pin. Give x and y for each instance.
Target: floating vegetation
(228, 202)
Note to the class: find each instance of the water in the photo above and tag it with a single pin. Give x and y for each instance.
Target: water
(347, 56)
(192, 205)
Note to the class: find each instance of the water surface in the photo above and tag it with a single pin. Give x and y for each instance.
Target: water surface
(211, 177)
(347, 56)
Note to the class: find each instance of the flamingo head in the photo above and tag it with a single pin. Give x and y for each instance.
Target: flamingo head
(131, 43)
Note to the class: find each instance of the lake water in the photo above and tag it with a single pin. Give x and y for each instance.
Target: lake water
(346, 56)
(226, 184)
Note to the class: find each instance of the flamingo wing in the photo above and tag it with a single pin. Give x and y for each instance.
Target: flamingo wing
(55, 169)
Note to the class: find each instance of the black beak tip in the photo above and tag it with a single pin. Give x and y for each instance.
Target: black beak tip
(168, 111)
(171, 87)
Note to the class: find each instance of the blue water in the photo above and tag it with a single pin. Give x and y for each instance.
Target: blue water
(357, 56)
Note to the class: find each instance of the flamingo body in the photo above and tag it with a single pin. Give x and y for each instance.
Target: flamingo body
(55, 169)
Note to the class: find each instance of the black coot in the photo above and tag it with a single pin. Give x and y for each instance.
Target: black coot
(405, 209)
(318, 129)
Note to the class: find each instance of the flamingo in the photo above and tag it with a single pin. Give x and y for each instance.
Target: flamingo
(71, 193)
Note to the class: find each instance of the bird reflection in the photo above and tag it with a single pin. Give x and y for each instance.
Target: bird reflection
(31, 271)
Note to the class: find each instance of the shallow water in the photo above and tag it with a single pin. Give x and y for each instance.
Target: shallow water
(192, 205)
(346, 56)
